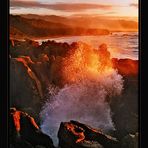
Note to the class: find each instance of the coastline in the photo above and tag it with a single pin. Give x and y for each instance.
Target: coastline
(63, 36)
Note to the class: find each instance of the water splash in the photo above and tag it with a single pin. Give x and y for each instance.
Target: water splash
(83, 98)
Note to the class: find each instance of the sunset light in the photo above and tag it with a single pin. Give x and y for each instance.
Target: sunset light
(126, 8)
(74, 73)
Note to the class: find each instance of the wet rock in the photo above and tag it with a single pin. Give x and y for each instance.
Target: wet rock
(24, 132)
(74, 134)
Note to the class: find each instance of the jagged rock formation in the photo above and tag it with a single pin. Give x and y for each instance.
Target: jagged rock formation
(24, 89)
(32, 69)
(74, 134)
(25, 133)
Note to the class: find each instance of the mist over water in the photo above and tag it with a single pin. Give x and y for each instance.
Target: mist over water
(84, 99)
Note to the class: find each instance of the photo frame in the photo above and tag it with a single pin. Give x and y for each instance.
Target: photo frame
(74, 73)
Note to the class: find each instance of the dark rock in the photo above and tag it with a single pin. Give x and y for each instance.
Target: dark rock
(21, 144)
(90, 144)
(39, 146)
(24, 48)
(24, 132)
(130, 141)
(125, 108)
(24, 89)
(77, 135)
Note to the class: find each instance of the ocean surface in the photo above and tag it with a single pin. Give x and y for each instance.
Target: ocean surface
(120, 44)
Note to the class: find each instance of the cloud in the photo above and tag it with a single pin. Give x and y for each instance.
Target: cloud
(67, 7)
(134, 5)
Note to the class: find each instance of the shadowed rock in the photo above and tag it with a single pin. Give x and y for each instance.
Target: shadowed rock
(24, 88)
(125, 106)
(24, 132)
(130, 141)
(74, 134)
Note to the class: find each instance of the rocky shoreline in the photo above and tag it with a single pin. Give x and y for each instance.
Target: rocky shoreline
(34, 69)
(25, 133)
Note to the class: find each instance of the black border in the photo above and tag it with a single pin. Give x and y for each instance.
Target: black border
(143, 75)
(4, 72)
(4, 63)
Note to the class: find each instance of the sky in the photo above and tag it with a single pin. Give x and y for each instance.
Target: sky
(120, 8)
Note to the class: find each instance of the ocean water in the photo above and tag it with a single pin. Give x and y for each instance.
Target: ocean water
(120, 44)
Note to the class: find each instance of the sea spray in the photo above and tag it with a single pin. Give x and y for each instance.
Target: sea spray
(84, 97)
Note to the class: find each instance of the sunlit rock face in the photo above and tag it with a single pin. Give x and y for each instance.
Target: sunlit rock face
(25, 133)
(126, 67)
(78, 135)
